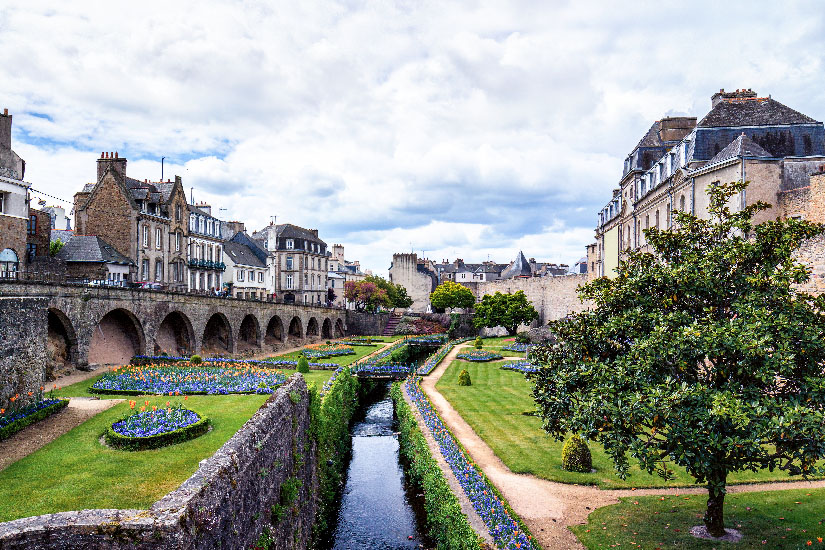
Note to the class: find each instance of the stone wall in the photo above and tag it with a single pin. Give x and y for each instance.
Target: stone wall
(225, 504)
(553, 297)
(361, 323)
(13, 236)
(415, 278)
(23, 327)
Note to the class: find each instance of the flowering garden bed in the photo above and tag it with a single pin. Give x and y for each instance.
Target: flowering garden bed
(478, 355)
(143, 360)
(158, 427)
(369, 369)
(12, 422)
(322, 351)
(431, 340)
(175, 380)
(525, 367)
(517, 347)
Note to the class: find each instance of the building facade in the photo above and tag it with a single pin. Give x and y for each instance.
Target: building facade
(14, 204)
(205, 251)
(247, 273)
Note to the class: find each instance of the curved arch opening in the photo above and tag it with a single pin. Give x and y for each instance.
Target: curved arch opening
(175, 335)
(61, 343)
(339, 329)
(217, 336)
(326, 329)
(296, 329)
(274, 331)
(312, 327)
(117, 338)
(248, 333)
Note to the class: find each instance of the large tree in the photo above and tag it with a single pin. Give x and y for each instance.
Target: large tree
(452, 295)
(396, 294)
(504, 310)
(366, 296)
(705, 354)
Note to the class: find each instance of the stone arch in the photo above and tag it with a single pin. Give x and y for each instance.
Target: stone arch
(249, 335)
(312, 327)
(296, 328)
(117, 338)
(175, 335)
(326, 329)
(339, 329)
(217, 336)
(62, 339)
(275, 333)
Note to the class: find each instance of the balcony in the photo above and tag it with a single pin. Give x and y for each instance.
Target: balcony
(207, 264)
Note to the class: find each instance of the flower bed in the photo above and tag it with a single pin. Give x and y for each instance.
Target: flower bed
(144, 360)
(504, 526)
(322, 351)
(435, 340)
(159, 427)
(167, 379)
(434, 359)
(524, 367)
(517, 347)
(383, 370)
(478, 355)
(12, 422)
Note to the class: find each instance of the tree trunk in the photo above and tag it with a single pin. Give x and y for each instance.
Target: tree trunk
(714, 515)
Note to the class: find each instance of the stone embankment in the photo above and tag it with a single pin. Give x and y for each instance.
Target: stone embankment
(227, 503)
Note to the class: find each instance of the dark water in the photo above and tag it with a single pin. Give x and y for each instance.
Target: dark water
(378, 509)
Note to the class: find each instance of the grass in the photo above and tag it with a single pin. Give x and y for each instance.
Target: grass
(784, 520)
(343, 360)
(495, 344)
(76, 472)
(494, 407)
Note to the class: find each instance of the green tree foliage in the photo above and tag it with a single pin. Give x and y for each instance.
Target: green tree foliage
(303, 365)
(478, 343)
(452, 295)
(504, 310)
(55, 247)
(366, 295)
(396, 294)
(704, 355)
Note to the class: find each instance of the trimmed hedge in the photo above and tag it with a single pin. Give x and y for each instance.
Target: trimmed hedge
(13, 427)
(180, 435)
(446, 523)
(575, 455)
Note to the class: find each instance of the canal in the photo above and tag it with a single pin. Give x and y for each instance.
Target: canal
(379, 508)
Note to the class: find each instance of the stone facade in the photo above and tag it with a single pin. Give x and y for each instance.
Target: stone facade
(417, 276)
(553, 297)
(226, 503)
(23, 326)
(38, 235)
(298, 263)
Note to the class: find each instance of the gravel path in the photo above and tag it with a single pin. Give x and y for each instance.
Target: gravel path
(32, 438)
(549, 507)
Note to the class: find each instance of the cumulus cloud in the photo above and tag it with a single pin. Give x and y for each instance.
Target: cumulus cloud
(456, 128)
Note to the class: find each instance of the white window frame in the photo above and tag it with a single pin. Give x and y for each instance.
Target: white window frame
(289, 282)
(158, 238)
(240, 275)
(290, 244)
(145, 236)
(2, 203)
(177, 241)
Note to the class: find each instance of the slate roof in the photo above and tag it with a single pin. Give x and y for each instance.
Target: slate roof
(652, 138)
(741, 146)
(519, 268)
(761, 111)
(65, 235)
(242, 254)
(91, 248)
(294, 232)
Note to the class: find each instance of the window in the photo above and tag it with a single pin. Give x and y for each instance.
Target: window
(210, 252)
(32, 225)
(306, 298)
(217, 228)
(158, 270)
(667, 214)
(200, 224)
(145, 238)
(240, 275)
(177, 241)
(260, 276)
(178, 213)
(193, 224)
(657, 219)
(289, 262)
(2, 203)
(8, 263)
(647, 222)
(290, 244)
(193, 283)
(682, 203)
(289, 281)
(144, 270)
(251, 276)
(306, 280)
(217, 253)
(158, 238)
(31, 251)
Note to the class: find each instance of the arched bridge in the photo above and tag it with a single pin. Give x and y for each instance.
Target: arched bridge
(106, 325)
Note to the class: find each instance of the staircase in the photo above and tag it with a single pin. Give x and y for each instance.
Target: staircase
(389, 330)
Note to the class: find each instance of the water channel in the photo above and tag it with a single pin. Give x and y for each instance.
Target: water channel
(379, 508)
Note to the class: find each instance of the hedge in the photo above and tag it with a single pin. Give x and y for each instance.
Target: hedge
(180, 435)
(13, 427)
(446, 523)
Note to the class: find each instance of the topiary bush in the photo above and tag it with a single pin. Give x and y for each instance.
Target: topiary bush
(522, 338)
(575, 455)
(196, 360)
(464, 378)
(479, 344)
(303, 365)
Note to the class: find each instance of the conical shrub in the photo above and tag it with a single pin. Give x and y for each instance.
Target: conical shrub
(303, 365)
(464, 378)
(575, 455)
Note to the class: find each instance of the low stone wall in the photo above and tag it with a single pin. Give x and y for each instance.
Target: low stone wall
(361, 323)
(23, 329)
(553, 297)
(225, 504)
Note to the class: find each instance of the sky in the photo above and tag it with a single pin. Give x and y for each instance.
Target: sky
(456, 129)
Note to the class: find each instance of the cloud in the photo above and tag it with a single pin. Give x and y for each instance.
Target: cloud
(457, 128)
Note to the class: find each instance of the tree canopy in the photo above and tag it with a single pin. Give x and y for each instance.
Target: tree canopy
(450, 294)
(366, 296)
(504, 310)
(396, 294)
(705, 354)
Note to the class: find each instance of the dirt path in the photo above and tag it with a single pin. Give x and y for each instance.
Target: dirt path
(33, 437)
(549, 507)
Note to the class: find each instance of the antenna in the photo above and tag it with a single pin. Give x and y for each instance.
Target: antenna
(192, 195)
(161, 167)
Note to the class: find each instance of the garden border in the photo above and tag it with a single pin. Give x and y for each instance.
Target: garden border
(180, 435)
(21, 423)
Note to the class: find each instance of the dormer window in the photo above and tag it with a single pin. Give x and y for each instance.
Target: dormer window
(290, 244)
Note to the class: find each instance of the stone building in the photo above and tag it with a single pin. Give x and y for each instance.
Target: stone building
(144, 221)
(248, 273)
(90, 258)
(38, 235)
(744, 136)
(14, 204)
(416, 275)
(297, 260)
(204, 252)
(340, 272)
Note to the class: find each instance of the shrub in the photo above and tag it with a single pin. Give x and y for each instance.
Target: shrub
(575, 455)
(479, 344)
(464, 378)
(14, 421)
(522, 338)
(196, 360)
(303, 365)
(130, 443)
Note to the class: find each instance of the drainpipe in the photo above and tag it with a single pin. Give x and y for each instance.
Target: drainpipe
(743, 198)
(693, 196)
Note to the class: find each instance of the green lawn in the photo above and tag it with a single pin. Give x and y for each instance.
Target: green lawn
(493, 406)
(76, 472)
(784, 520)
(343, 360)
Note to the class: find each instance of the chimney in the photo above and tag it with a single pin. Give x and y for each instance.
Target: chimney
(722, 95)
(5, 130)
(111, 160)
